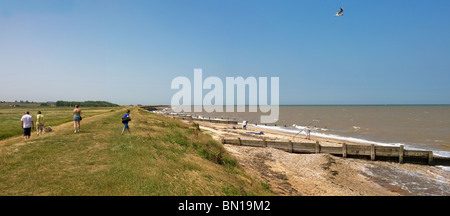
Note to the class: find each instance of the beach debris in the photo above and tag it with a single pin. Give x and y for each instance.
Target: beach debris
(260, 133)
(340, 13)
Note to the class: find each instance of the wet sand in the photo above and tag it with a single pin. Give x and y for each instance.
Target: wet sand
(290, 174)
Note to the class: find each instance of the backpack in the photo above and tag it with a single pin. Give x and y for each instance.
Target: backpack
(126, 119)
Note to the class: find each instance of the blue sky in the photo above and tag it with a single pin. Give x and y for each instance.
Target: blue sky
(128, 52)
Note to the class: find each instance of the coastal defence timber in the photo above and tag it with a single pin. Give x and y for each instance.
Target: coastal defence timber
(205, 119)
(372, 152)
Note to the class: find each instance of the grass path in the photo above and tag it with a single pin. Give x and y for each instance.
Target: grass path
(64, 128)
(162, 157)
(10, 116)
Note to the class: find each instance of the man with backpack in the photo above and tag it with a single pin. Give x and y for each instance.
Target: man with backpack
(125, 119)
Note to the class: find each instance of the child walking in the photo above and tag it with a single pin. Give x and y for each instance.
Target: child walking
(40, 121)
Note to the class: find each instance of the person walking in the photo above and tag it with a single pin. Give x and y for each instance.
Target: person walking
(27, 123)
(77, 119)
(125, 119)
(40, 121)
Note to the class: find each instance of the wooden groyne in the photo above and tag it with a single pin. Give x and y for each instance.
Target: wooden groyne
(205, 119)
(372, 152)
(216, 120)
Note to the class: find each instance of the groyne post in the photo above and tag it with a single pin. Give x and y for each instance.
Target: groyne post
(372, 152)
(317, 149)
(401, 153)
(430, 158)
(344, 150)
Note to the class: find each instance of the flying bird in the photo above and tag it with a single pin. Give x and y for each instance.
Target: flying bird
(340, 13)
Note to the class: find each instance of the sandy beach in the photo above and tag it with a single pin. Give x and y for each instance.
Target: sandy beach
(291, 174)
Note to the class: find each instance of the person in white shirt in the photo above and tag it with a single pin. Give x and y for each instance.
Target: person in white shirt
(308, 132)
(27, 123)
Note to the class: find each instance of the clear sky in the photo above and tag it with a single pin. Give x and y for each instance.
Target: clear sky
(128, 52)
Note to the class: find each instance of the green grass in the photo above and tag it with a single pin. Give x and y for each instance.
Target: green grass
(162, 156)
(10, 124)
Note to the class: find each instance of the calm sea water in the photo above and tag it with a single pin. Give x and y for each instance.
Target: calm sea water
(416, 127)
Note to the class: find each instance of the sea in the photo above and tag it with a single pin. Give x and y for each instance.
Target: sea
(417, 127)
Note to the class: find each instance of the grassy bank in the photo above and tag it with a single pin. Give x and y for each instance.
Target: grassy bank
(161, 157)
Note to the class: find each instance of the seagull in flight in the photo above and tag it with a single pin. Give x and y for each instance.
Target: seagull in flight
(340, 13)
